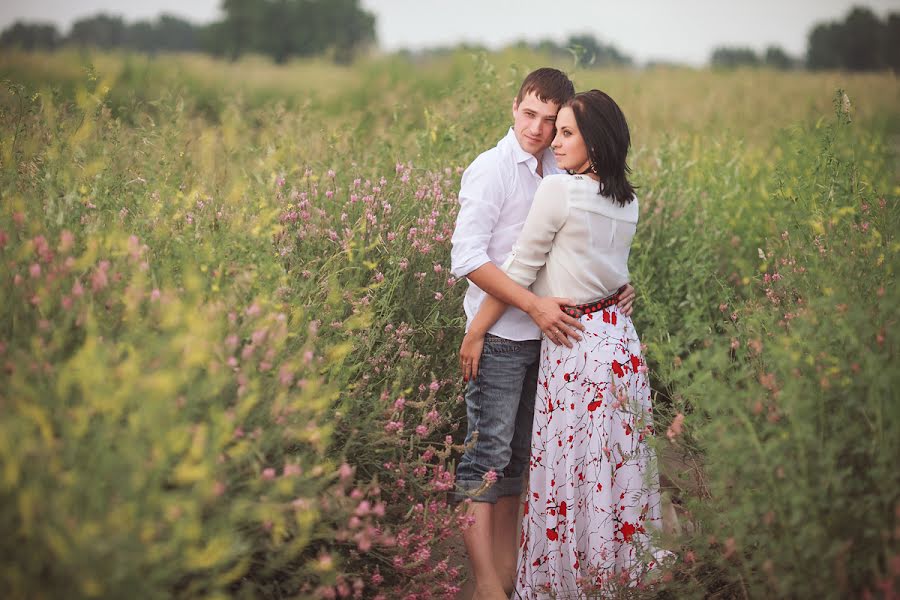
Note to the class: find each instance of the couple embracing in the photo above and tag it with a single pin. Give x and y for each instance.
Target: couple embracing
(557, 393)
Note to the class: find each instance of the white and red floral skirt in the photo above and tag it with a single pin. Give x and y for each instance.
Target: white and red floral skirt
(593, 494)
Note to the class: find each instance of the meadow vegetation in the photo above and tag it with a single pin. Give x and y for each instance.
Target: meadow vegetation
(228, 336)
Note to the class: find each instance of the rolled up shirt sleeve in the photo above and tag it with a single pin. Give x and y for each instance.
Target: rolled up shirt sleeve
(547, 215)
(481, 198)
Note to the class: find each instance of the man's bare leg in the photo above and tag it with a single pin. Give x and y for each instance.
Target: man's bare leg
(479, 545)
(506, 518)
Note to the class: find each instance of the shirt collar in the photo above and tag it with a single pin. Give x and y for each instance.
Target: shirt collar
(548, 160)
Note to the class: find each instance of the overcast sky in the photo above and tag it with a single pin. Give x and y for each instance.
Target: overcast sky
(678, 30)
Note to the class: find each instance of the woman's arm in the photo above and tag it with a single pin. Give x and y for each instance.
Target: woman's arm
(548, 213)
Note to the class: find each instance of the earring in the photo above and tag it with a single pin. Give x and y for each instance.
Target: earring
(593, 168)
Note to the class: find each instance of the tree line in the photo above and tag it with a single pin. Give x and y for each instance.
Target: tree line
(861, 42)
(282, 29)
(278, 28)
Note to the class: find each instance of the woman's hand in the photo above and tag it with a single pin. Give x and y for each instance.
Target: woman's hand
(470, 354)
(626, 300)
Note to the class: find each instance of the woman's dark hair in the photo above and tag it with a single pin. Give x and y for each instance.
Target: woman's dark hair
(605, 133)
(549, 85)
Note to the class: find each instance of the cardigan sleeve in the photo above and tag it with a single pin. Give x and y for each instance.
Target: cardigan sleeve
(548, 213)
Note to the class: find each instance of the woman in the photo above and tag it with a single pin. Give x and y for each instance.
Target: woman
(593, 493)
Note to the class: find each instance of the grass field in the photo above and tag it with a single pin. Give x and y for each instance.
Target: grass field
(229, 332)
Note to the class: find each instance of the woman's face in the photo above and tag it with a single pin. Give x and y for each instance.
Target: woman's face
(568, 145)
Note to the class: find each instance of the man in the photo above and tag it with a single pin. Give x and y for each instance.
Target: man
(496, 193)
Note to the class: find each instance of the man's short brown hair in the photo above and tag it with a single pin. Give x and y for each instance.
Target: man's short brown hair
(549, 85)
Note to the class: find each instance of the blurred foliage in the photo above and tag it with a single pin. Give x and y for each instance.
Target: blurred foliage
(585, 48)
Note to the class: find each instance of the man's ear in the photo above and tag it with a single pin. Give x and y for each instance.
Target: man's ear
(515, 106)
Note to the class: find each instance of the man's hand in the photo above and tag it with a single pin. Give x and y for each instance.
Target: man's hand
(470, 354)
(556, 325)
(626, 300)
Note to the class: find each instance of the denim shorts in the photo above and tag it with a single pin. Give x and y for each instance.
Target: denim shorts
(499, 408)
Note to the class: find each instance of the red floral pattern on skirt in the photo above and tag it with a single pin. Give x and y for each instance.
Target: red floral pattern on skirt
(593, 486)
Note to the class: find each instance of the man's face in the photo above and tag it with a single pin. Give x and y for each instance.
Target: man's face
(534, 123)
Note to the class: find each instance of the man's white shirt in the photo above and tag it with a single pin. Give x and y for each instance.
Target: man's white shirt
(496, 193)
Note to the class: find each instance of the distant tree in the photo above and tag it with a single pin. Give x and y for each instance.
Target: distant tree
(549, 47)
(824, 48)
(102, 30)
(30, 36)
(587, 50)
(594, 52)
(141, 36)
(213, 39)
(282, 19)
(729, 58)
(285, 28)
(175, 34)
(167, 33)
(777, 58)
(861, 42)
(241, 27)
(352, 28)
(892, 42)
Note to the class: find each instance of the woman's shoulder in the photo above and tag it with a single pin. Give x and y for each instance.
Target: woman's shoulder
(557, 182)
(628, 212)
(556, 179)
(592, 199)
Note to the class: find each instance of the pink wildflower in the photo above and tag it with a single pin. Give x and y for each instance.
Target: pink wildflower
(285, 377)
(292, 469)
(676, 427)
(99, 280)
(66, 240)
